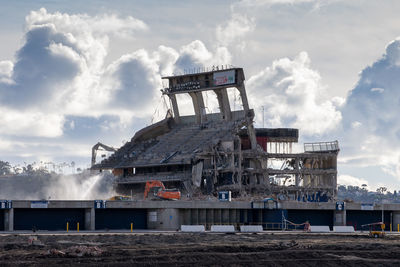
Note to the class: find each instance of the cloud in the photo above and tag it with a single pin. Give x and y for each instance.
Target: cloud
(30, 123)
(293, 96)
(196, 55)
(234, 29)
(136, 81)
(370, 114)
(345, 179)
(59, 95)
(6, 70)
(370, 130)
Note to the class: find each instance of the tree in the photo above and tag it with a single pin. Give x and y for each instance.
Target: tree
(5, 168)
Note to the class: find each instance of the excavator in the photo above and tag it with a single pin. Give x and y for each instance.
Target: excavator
(161, 192)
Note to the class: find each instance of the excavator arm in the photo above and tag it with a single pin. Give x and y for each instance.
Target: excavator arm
(96, 147)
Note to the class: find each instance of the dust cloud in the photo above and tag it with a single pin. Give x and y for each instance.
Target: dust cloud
(82, 186)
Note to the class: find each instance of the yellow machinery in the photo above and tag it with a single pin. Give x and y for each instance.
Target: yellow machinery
(376, 229)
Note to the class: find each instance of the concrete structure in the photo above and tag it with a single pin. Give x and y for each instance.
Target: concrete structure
(193, 228)
(319, 229)
(209, 152)
(251, 228)
(170, 215)
(343, 229)
(223, 228)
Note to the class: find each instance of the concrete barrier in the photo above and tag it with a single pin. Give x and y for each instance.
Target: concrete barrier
(192, 228)
(223, 228)
(319, 229)
(343, 229)
(251, 228)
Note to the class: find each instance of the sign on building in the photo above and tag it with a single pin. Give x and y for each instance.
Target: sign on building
(99, 204)
(5, 204)
(224, 77)
(367, 206)
(225, 196)
(39, 204)
(340, 205)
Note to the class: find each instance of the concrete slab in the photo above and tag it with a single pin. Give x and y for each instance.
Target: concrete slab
(343, 229)
(251, 228)
(319, 229)
(223, 228)
(192, 228)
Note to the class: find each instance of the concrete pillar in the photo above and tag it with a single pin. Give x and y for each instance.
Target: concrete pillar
(232, 216)
(187, 217)
(165, 219)
(202, 216)
(225, 216)
(90, 219)
(210, 217)
(223, 102)
(339, 218)
(245, 216)
(9, 220)
(250, 128)
(198, 105)
(194, 216)
(175, 108)
(395, 220)
(217, 216)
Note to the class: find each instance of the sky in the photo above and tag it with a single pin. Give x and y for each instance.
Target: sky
(74, 73)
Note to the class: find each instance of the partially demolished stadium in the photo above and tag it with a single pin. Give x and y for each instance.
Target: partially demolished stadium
(209, 152)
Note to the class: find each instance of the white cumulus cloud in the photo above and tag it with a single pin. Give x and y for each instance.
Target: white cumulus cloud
(293, 96)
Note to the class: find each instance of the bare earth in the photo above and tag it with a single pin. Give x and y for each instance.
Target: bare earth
(205, 249)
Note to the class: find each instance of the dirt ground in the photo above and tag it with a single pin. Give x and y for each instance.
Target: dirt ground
(203, 249)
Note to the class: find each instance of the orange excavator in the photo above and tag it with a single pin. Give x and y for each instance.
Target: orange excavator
(162, 193)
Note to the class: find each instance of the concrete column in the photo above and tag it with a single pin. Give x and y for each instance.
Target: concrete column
(195, 216)
(217, 216)
(9, 220)
(202, 216)
(250, 128)
(187, 218)
(223, 102)
(175, 108)
(395, 220)
(245, 217)
(90, 219)
(232, 216)
(225, 216)
(210, 217)
(339, 218)
(297, 168)
(166, 219)
(199, 108)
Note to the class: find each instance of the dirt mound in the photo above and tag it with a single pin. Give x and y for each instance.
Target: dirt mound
(182, 249)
